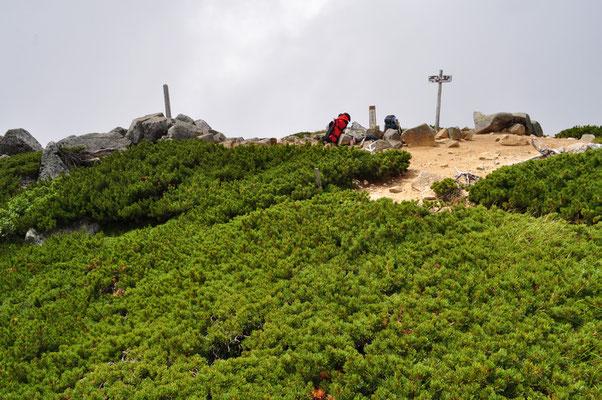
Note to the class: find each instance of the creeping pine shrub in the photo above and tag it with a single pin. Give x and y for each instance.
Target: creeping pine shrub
(578, 131)
(335, 296)
(152, 183)
(15, 170)
(569, 185)
(446, 189)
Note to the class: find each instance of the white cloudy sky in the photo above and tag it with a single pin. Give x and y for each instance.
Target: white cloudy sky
(275, 67)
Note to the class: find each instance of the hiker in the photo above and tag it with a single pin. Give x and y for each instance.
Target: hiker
(336, 128)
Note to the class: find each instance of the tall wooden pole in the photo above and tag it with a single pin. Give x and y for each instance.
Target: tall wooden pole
(167, 104)
(439, 100)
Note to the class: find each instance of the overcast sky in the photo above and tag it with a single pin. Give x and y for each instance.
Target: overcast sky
(269, 68)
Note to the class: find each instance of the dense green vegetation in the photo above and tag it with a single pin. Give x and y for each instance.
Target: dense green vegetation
(267, 287)
(578, 131)
(567, 184)
(154, 182)
(15, 170)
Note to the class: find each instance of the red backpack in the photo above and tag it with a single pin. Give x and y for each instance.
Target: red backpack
(335, 128)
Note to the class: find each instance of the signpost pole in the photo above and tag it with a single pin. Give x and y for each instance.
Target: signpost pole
(440, 79)
(167, 105)
(438, 101)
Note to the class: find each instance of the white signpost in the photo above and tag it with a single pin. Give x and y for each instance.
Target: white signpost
(440, 79)
(372, 117)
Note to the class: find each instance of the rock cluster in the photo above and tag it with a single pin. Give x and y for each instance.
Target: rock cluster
(504, 122)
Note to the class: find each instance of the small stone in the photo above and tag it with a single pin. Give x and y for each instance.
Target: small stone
(444, 165)
(395, 189)
(481, 168)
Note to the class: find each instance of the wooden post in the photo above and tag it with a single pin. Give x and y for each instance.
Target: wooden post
(440, 79)
(318, 180)
(167, 104)
(372, 117)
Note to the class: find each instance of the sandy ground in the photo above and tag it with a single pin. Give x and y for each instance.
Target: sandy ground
(480, 156)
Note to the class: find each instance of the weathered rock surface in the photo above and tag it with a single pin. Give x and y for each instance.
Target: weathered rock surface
(33, 237)
(454, 133)
(442, 134)
(392, 134)
(151, 127)
(203, 125)
(513, 140)
(501, 122)
(491, 123)
(52, 165)
(18, 141)
(517, 129)
(97, 142)
(588, 137)
(375, 132)
(182, 130)
(377, 146)
(355, 131)
(185, 118)
(420, 136)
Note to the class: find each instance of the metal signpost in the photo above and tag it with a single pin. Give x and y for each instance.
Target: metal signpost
(440, 79)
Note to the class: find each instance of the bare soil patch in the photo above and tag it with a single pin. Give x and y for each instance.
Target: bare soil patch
(480, 156)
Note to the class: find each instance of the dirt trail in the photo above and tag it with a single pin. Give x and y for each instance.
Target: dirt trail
(441, 161)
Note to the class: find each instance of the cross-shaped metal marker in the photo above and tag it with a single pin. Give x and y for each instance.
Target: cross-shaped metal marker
(440, 79)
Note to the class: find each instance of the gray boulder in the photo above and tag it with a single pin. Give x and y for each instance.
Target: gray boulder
(454, 133)
(375, 132)
(33, 237)
(345, 140)
(52, 165)
(218, 136)
(377, 146)
(4, 156)
(203, 125)
(491, 123)
(151, 127)
(392, 134)
(185, 118)
(17, 141)
(356, 131)
(588, 137)
(537, 130)
(183, 130)
(98, 142)
(420, 136)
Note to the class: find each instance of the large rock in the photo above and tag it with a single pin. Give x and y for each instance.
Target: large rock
(588, 137)
(454, 133)
(420, 136)
(492, 123)
(52, 165)
(442, 134)
(17, 141)
(98, 142)
(503, 121)
(392, 134)
(185, 118)
(355, 131)
(151, 127)
(517, 129)
(423, 183)
(537, 130)
(514, 140)
(375, 132)
(377, 146)
(33, 237)
(183, 130)
(203, 125)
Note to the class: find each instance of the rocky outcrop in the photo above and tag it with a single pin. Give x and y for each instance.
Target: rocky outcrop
(184, 130)
(17, 141)
(185, 118)
(52, 165)
(499, 122)
(151, 127)
(98, 142)
(420, 136)
(454, 133)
